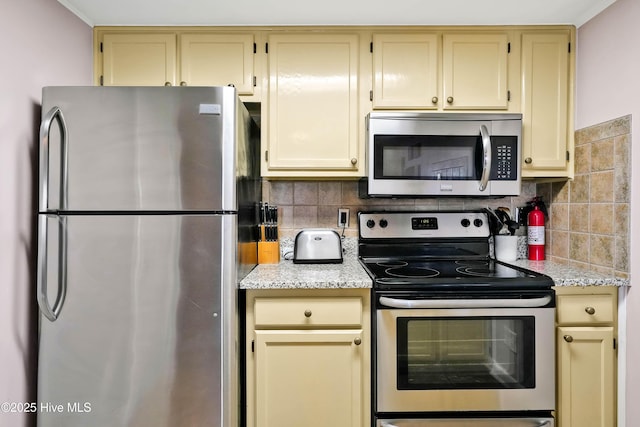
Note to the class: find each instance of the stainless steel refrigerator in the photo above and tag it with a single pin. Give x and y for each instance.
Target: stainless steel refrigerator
(147, 212)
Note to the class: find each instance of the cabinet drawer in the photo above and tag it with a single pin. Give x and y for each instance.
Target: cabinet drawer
(312, 312)
(596, 309)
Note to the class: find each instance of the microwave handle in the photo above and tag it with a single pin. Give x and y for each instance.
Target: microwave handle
(486, 157)
(465, 303)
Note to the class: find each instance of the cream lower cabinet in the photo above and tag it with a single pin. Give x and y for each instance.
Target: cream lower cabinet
(308, 358)
(586, 356)
(314, 125)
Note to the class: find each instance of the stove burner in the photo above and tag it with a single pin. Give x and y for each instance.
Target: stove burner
(479, 271)
(393, 264)
(414, 272)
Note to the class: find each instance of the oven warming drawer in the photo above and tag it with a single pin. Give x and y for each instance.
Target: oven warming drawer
(465, 422)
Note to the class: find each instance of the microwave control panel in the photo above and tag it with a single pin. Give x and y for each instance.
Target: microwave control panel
(504, 166)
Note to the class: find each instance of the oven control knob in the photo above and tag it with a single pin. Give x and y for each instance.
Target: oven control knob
(371, 223)
(465, 223)
(477, 222)
(384, 223)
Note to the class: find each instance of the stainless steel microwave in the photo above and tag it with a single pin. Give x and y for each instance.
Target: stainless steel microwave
(442, 154)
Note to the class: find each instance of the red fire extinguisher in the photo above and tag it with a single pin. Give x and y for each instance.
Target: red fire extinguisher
(535, 233)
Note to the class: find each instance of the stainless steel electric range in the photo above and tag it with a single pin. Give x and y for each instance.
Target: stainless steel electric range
(459, 338)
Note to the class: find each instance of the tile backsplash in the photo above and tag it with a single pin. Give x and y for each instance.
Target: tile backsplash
(588, 224)
(306, 204)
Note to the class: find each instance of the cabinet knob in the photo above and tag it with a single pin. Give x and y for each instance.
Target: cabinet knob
(167, 83)
(450, 100)
(590, 310)
(357, 341)
(528, 160)
(568, 338)
(434, 100)
(354, 161)
(183, 83)
(307, 313)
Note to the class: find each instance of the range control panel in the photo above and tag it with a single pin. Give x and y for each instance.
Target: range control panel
(421, 224)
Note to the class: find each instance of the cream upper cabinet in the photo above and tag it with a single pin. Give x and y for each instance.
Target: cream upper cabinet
(547, 130)
(308, 358)
(218, 60)
(586, 356)
(139, 59)
(475, 71)
(472, 68)
(313, 120)
(405, 70)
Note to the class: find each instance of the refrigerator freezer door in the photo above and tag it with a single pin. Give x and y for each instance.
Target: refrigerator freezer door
(141, 148)
(139, 339)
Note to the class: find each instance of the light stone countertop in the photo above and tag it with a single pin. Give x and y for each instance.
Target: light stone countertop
(287, 275)
(350, 274)
(565, 275)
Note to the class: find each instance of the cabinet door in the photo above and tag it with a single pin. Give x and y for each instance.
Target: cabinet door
(405, 70)
(139, 59)
(217, 60)
(545, 97)
(475, 71)
(308, 378)
(313, 115)
(586, 369)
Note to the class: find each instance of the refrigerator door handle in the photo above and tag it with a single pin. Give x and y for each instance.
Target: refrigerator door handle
(49, 312)
(45, 128)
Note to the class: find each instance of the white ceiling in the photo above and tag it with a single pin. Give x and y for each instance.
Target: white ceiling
(335, 12)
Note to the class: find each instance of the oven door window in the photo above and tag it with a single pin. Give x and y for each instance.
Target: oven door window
(466, 353)
(427, 157)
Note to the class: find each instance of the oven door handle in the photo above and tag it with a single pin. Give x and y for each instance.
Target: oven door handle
(464, 303)
(486, 157)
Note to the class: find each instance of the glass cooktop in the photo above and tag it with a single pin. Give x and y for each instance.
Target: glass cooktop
(394, 273)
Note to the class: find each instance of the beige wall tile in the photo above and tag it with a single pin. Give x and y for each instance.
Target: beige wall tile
(622, 172)
(560, 192)
(329, 192)
(602, 250)
(602, 218)
(621, 219)
(602, 155)
(579, 247)
(559, 216)
(305, 193)
(281, 193)
(601, 187)
(583, 158)
(579, 217)
(621, 259)
(559, 244)
(305, 216)
(615, 127)
(579, 189)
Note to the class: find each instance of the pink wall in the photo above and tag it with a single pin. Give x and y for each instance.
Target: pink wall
(608, 87)
(41, 44)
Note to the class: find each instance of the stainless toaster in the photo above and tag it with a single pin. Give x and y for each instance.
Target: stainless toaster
(317, 245)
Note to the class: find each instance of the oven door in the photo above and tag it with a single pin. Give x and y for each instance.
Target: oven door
(477, 354)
